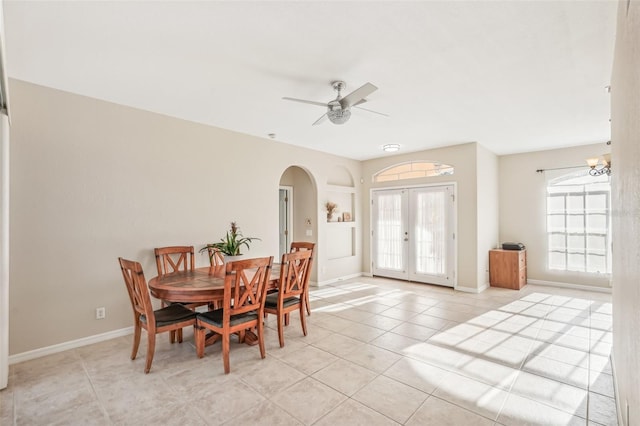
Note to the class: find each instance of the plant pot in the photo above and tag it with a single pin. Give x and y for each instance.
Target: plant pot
(228, 259)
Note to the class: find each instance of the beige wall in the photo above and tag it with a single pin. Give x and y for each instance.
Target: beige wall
(523, 207)
(487, 201)
(625, 113)
(463, 157)
(91, 181)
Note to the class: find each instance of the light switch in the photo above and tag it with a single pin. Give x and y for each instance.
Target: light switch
(309, 232)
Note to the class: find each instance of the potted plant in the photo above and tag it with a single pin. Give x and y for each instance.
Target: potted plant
(231, 244)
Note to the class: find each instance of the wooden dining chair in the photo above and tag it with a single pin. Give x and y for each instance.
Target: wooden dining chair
(298, 246)
(245, 287)
(170, 318)
(216, 258)
(173, 259)
(291, 290)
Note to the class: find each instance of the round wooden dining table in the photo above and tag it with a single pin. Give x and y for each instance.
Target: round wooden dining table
(204, 284)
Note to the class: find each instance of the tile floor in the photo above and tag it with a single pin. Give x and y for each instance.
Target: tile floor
(378, 352)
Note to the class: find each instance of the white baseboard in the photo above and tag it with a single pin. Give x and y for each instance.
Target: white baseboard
(471, 289)
(61, 347)
(335, 280)
(569, 285)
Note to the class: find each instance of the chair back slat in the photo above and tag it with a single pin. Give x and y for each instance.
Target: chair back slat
(216, 258)
(293, 273)
(245, 285)
(138, 290)
(174, 259)
(301, 245)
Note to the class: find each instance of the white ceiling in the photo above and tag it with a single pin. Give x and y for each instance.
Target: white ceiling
(514, 76)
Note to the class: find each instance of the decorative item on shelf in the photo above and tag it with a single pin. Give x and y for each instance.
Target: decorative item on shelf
(232, 242)
(331, 209)
(346, 217)
(605, 169)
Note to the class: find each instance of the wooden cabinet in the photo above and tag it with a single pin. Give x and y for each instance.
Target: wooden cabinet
(508, 268)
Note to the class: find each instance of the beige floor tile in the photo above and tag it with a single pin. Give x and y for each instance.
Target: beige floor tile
(353, 314)
(600, 363)
(362, 332)
(431, 321)
(488, 372)
(264, 413)
(353, 413)
(339, 345)
(84, 414)
(395, 343)
(440, 356)
(566, 340)
(399, 314)
(437, 412)
(391, 398)
(519, 411)
(308, 400)
(345, 376)
(262, 376)
(369, 305)
(373, 357)
(420, 375)
(601, 383)
(414, 331)
(602, 409)
(556, 370)
(334, 323)
(219, 404)
(564, 397)
(564, 354)
(383, 323)
(309, 359)
(449, 315)
(471, 394)
(54, 403)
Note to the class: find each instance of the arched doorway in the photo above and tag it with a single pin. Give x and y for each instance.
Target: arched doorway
(298, 215)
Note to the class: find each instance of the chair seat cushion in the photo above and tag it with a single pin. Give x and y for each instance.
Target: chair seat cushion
(272, 301)
(171, 315)
(215, 317)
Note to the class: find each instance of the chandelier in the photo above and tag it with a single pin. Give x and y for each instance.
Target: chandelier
(598, 169)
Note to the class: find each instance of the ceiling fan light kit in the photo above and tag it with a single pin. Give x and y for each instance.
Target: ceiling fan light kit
(339, 116)
(339, 109)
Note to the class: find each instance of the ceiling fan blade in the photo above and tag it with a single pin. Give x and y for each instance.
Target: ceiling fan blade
(357, 95)
(320, 120)
(305, 101)
(375, 112)
(361, 101)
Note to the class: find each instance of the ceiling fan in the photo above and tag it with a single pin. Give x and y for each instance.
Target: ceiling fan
(339, 109)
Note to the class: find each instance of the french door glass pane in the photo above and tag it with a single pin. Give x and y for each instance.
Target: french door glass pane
(389, 231)
(429, 233)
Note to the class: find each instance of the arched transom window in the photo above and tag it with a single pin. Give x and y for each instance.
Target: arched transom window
(413, 170)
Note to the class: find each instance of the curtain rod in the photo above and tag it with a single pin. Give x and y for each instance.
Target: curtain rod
(559, 168)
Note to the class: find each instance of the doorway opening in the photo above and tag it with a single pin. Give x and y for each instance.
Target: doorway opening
(285, 218)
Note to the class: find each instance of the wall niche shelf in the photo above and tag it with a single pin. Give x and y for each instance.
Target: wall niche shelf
(341, 234)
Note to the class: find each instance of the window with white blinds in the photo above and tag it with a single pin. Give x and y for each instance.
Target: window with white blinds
(579, 223)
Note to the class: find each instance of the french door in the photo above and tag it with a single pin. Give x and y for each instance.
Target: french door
(413, 234)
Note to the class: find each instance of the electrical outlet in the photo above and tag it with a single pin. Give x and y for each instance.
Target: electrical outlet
(100, 313)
